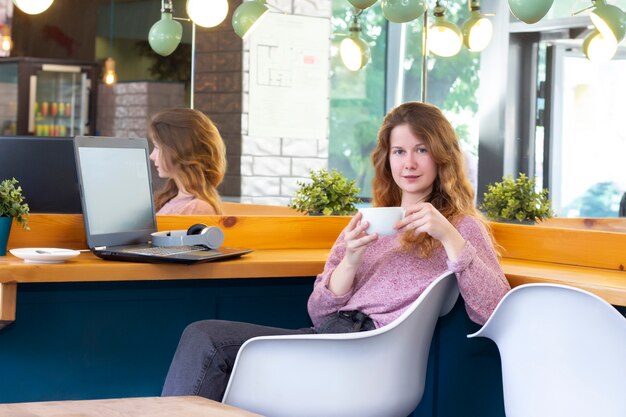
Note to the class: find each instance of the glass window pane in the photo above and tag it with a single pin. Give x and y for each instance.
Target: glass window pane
(593, 142)
(357, 103)
(452, 82)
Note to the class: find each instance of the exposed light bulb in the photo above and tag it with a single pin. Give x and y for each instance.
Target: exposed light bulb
(478, 29)
(110, 76)
(33, 6)
(207, 13)
(597, 48)
(6, 44)
(444, 37)
(354, 51)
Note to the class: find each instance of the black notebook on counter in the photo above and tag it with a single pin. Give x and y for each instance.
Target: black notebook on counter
(118, 208)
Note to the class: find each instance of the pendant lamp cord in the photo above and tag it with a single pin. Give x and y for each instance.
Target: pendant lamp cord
(112, 13)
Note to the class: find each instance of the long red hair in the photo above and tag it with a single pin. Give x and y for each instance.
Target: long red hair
(452, 192)
(191, 143)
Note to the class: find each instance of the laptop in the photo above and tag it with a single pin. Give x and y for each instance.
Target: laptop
(118, 208)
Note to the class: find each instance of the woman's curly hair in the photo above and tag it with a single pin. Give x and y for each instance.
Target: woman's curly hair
(452, 192)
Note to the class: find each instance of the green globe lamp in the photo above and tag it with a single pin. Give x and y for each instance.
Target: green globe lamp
(165, 35)
(609, 20)
(247, 16)
(362, 4)
(402, 11)
(530, 11)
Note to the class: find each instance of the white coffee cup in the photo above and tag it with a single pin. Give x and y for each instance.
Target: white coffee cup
(382, 219)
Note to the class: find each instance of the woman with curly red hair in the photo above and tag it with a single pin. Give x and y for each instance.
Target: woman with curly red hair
(418, 165)
(369, 280)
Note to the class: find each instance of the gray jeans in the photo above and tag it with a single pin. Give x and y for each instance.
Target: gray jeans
(207, 351)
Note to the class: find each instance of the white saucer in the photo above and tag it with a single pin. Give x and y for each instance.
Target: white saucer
(56, 255)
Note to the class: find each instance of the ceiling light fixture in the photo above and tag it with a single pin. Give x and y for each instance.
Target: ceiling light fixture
(597, 48)
(110, 76)
(33, 6)
(477, 30)
(6, 43)
(207, 13)
(354, 51)
(165, 35)
(609, 20)
(444, 37)
(247, 16)
(403, 11)
(530, 11)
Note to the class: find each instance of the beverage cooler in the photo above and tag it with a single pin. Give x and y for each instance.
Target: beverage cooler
(47, 97)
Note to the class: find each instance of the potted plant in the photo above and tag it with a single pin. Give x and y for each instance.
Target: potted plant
(12, 206)
(516, 200)
(328, 193)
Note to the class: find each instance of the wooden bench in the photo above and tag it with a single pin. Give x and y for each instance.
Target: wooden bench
(126, 407)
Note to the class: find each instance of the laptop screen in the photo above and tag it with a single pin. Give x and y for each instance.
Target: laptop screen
(114, 176)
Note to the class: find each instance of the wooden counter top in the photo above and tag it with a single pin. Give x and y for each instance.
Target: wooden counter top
(292, 246)
(87, 267)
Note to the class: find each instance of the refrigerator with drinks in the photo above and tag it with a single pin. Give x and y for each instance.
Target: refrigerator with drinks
(43, 97)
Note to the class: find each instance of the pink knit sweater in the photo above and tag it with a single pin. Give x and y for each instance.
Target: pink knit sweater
(186, 205)
(389, 279)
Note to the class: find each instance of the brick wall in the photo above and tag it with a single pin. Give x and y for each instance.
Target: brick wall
(125, 109)
(218, 91)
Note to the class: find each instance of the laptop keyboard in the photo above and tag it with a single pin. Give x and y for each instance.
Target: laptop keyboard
(163, 250)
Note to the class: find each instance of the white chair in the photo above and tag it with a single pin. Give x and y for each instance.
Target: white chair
(563, 352)
(377, 373)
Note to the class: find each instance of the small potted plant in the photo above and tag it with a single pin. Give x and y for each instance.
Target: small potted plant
(12, 206)
(516, 200)
(328, 193)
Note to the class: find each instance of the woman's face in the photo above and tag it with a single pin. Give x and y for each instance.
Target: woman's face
(412, 166)
(161, 162)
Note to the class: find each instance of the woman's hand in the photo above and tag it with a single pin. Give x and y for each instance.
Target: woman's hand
(425, 218)
(356, 242)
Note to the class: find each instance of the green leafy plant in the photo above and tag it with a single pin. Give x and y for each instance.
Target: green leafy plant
(327, 193)
(12, 202)
(516, 199)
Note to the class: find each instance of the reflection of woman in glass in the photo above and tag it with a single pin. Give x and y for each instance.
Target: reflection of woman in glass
(189, 151)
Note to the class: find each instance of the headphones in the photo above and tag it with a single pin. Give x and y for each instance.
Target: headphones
(198, 234)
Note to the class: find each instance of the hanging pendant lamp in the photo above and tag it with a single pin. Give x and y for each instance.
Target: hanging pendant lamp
(33, 6)
(165, 35)
(597, 48)
(362, 4)
(247, 16)
(609, 20)
(477, 30)
(207, 13)
(354, 51)
(444, 37)
(6, 43)
(530, 11)
(402, 11)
